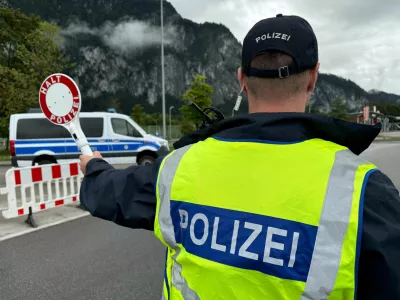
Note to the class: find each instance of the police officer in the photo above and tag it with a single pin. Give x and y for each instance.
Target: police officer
(275, 204)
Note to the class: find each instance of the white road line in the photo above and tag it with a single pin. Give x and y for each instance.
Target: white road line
(84, 214)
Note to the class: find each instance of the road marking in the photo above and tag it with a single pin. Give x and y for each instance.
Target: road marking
(84, 214)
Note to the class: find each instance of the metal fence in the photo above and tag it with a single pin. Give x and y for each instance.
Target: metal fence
(3, 143)
(173, 132)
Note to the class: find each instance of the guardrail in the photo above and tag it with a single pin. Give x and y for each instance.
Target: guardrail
(39, 188)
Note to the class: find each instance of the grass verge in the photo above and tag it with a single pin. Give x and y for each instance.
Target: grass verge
(4, 155)
(387, 138)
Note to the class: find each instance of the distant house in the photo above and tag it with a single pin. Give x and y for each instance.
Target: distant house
(358, 117)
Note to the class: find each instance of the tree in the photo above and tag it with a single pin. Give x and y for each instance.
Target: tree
(387, 108)
(339, 109)
(15, 96)
(200, 93)
(138, 115)
(39, 55)
(14, 27)
(187, 126)
(28, 54)
(155, 119)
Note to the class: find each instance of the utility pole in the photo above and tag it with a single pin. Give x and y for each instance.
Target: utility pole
(163, 73)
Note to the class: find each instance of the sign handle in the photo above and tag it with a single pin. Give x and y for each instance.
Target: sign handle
(86, 150)
(80, 139)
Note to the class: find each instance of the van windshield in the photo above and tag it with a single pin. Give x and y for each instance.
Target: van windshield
(127, 127)
(140, 129)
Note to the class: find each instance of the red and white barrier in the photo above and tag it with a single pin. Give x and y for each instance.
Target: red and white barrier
(40, 188)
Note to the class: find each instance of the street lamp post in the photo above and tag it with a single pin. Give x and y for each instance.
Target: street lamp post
(162, 71)
(170, 132)
(156, 126)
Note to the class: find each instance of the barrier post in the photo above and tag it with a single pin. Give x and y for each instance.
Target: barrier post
(30, 220)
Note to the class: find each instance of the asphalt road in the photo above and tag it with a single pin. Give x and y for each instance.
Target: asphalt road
(386, 156)
(87, 259)
(93, 259)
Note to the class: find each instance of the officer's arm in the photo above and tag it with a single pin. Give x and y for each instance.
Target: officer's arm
(125, 197)
(379, 267)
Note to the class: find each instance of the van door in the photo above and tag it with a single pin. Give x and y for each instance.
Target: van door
(126, 140)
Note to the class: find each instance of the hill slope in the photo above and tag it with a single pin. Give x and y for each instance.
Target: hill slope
(116, 45)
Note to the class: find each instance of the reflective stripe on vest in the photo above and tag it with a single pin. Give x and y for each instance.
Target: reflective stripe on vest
(167, 229)
(332, 226)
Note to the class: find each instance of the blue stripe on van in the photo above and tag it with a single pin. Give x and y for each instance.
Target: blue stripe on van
(60, 146)
(63, 141)
(73, 149)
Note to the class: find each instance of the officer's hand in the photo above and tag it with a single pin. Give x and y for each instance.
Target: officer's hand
(84, 159)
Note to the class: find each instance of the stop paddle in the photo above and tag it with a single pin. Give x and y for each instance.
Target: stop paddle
(60, 101)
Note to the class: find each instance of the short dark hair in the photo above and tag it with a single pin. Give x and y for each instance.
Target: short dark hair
(286, 87)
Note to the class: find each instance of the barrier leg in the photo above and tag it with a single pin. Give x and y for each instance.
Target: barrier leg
(30, 219)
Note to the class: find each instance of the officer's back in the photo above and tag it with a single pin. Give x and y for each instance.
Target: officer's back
(275, 204)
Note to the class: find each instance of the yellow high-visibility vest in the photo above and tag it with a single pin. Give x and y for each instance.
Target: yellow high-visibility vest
(252, 220)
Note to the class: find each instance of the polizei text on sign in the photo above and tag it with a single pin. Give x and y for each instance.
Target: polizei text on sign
(68, 117)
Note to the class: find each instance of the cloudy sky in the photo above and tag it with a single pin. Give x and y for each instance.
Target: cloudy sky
(358, 39)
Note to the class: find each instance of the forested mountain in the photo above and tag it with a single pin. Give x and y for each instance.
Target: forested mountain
(116, 47)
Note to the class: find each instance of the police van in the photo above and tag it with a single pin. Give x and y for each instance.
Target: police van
(120, 140)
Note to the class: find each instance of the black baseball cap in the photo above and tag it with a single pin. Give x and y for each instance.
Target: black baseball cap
(291, 35)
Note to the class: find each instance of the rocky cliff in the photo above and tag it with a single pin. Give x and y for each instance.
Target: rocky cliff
(116, 45)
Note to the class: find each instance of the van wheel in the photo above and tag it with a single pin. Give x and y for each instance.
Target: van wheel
(44, 160)
(146, 160)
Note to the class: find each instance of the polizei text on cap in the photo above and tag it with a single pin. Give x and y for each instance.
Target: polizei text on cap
(274, 35)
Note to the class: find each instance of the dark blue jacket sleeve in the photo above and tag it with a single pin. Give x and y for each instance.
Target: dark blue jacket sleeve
(379, 265)
(126, 197)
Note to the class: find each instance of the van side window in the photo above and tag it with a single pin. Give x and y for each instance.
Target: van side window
(28, 129)
(123, 127)
(43, 129)
(92, 127)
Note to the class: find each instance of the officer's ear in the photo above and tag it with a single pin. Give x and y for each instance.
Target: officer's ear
(242, 80)
(313, 78)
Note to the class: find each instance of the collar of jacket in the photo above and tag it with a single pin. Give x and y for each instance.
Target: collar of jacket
(288, 127)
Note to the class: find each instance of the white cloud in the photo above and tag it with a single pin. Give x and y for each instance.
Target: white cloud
(358, 39)
(126, 37)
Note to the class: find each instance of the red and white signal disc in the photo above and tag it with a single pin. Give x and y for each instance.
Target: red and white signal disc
(60, 99)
